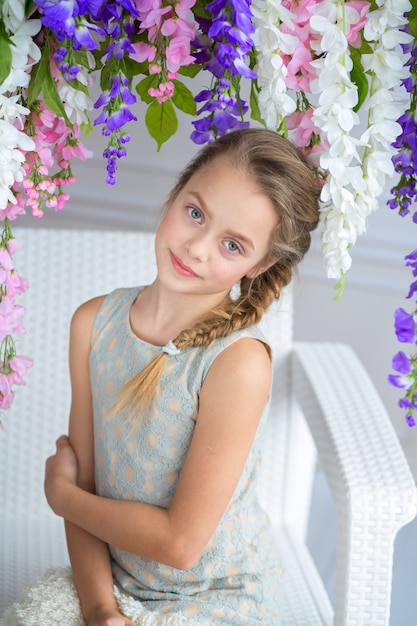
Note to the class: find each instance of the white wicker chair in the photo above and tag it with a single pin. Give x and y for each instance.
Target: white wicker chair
(322, 385)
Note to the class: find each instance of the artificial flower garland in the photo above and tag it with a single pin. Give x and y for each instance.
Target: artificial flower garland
(311, 65)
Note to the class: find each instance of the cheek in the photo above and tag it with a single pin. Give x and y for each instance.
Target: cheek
(166, 229)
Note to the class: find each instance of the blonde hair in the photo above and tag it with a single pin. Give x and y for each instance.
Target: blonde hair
(281, 172)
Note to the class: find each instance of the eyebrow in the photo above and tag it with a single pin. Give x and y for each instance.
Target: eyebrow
(246, 240)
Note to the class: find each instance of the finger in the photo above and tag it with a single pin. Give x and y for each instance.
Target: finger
(61, 441)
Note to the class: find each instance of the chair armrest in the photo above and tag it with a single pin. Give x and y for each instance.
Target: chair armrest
(368, 475)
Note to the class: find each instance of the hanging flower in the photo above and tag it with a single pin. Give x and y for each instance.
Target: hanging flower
(223, 47)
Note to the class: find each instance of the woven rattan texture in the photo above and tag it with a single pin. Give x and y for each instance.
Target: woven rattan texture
(370, 481)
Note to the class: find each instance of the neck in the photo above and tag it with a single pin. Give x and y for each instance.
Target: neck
(159, 315)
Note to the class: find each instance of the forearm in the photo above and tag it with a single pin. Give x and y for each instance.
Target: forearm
(135, 527)
(90, 562)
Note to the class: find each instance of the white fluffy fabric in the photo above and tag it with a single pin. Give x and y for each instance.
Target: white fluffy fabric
(53, 601)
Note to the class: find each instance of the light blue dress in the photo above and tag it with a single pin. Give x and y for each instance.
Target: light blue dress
(236, 580)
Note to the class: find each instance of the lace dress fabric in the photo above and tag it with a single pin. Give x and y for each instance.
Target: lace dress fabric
(236, 580)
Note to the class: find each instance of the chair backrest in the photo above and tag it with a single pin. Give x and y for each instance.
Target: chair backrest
(66, 267)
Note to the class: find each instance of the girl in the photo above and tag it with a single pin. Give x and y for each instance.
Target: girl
(156, 481)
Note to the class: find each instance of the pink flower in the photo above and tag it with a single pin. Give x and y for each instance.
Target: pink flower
(303, 126)
(178, 53)
(4, 386)
(13, 245)
(6, 393)
(153, 17)
(5, 259)
(62, 200)
(77, 150)
(300, 72)
(6, 400)
(163, 93)
(183, 8)
(354, 36)
(11, 316)
(13, 210)
(19, 366)
(15, 284)
(143, 52)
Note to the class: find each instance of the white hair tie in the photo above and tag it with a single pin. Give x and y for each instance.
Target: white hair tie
(170, 348)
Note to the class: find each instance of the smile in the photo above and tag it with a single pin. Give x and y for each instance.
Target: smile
(182, 269)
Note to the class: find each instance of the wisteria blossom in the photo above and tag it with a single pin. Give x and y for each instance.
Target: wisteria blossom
(337, 78)
(406, 330)
(223, 46)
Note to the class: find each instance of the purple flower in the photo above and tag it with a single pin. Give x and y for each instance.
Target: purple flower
(118, 119)
(114, 115)
(401, 363)
(413, 289)
(222, 47)
(68, 19)
(412, 261)
(405, 161)
(405, 326)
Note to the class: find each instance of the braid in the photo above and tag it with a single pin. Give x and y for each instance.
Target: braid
(281, 172)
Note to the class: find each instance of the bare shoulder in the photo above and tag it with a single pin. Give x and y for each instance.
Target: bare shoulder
(246, 358)
(244, 366)
(83, 319)
(86, 312)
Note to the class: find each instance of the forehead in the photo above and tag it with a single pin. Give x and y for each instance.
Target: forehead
(232, 198)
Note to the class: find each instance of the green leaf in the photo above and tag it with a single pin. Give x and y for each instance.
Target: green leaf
(161, 121)
(76, 84)
(190, 70)
(81, 57)
(359, 77)
(52, 99)
(200, 10)
(412, 18)
(143, 87)
(41, 80)
(5, 54)
(183, 98)
(38, 77)
(28, 7)
(255, 112)
(107, 73)
(365, 48)
(133, 68)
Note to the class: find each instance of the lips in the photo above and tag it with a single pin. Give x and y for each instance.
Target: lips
(182, 269)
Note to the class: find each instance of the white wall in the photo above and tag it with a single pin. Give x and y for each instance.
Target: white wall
(376, 284)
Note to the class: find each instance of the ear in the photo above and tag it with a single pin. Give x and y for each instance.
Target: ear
(262, 267)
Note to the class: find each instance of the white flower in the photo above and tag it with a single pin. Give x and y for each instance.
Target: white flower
(274, 102)
(11, 110)
(76, 102)
(390, 15)
(24, 54)
(13, 14)
(357, 166)
(12, 143)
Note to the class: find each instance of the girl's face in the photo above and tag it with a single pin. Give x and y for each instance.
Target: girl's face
(217, 230)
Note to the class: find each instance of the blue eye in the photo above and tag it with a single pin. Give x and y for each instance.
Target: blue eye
(194, 213)
(232, 246)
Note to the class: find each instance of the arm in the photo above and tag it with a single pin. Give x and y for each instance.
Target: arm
(89, 555)
(232, 399)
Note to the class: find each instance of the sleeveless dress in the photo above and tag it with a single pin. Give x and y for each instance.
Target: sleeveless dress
(236, 580)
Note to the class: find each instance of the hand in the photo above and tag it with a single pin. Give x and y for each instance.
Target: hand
(109, 618)
(60, 470)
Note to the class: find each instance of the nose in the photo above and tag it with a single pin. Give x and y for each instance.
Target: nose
(198, 247)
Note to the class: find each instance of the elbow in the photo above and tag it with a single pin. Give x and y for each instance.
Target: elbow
(181, 554)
